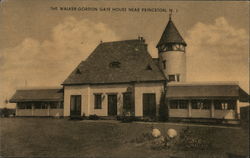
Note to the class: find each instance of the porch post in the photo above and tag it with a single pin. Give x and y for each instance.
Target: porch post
(32, 109)
(212, 108)
(48, 106)
(16, 109)
(189, 108)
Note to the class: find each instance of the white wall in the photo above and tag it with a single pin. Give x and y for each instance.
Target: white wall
(82, 90)
(87, 93)
(175, 63)
(141, 88)
(105, 90)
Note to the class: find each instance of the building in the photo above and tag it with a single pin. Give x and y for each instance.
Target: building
(38, 102)
(121, 78)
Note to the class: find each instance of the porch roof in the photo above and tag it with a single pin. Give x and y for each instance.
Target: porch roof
(207, 90)
(24, 95)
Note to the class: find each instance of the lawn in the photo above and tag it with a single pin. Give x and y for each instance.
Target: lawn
(40, 137)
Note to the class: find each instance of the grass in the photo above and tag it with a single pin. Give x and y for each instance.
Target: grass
(42, 137)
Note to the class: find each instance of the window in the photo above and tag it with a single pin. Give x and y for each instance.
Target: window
(174, 77)
(28, 106)
(164, 64)
(173, 104)
(61, 105)
(178, 104)
(78, 71)
(178, 78)
(21, 105)
(98, 101)
(201, 104)
(53, 105)
(44, 105)
(115, 64)
(183, 104)
(37, 105)
(149, 67)
(224, 104)
(128, 105)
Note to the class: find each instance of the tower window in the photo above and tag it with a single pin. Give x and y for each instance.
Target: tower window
(178, 78)
(171, 77)
(175, 77)
(164, 64)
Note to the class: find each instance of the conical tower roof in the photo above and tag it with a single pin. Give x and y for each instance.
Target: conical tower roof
(171, 35)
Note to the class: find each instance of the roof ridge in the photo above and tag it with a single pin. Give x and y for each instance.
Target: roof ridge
(129, 40)
(41, 88)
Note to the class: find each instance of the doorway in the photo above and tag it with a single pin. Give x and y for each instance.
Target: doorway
(75, 105)
(149, 105)
(112, 105)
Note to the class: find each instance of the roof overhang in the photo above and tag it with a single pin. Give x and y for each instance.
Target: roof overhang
(206, 91)
(37, 95)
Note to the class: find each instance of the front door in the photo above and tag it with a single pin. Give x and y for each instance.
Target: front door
(149, 105)
(112, 105)
(75, 105)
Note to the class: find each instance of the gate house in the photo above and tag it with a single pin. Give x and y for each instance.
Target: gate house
(121, 78)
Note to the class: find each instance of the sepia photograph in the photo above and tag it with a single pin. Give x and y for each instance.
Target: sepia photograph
(118, 79)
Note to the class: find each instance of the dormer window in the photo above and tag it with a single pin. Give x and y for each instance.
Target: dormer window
(149, 67)
(78, 71)
(115, 64)
(164, 64)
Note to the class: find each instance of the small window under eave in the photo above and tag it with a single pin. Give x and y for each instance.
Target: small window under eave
(78, 71)
(148, 67)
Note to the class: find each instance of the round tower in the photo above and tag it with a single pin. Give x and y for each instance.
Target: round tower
(172, 56)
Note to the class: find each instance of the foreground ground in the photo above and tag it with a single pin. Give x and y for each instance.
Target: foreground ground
(40, 137)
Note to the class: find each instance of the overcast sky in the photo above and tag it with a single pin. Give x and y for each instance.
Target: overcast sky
(41, 46)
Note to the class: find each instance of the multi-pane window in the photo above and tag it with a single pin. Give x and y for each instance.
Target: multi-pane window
(37, 105)
(44, 106)
(224, 104)
(178, 104)
(128, 104)
(21, 105)
(201, 104)
(173, 104)
(183, 104)
(98, 101)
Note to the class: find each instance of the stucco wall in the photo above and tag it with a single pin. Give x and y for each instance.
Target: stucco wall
(87, 93)
(226, 114)
(55, 112)
(200, 113)
(84, 91)
(178, 112)
(23, 112)
(141, 88)
(175, 63)
(105, 90)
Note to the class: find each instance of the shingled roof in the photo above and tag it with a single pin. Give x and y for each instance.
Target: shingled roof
(171, 35)
(132, 63)
(24, 95)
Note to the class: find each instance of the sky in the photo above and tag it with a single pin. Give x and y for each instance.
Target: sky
(40, 44)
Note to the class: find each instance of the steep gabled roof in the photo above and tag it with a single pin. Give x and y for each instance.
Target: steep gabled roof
(24, 95)
(134, 64)
(171, 35)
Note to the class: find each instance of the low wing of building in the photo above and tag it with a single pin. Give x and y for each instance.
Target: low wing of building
(38, 102)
